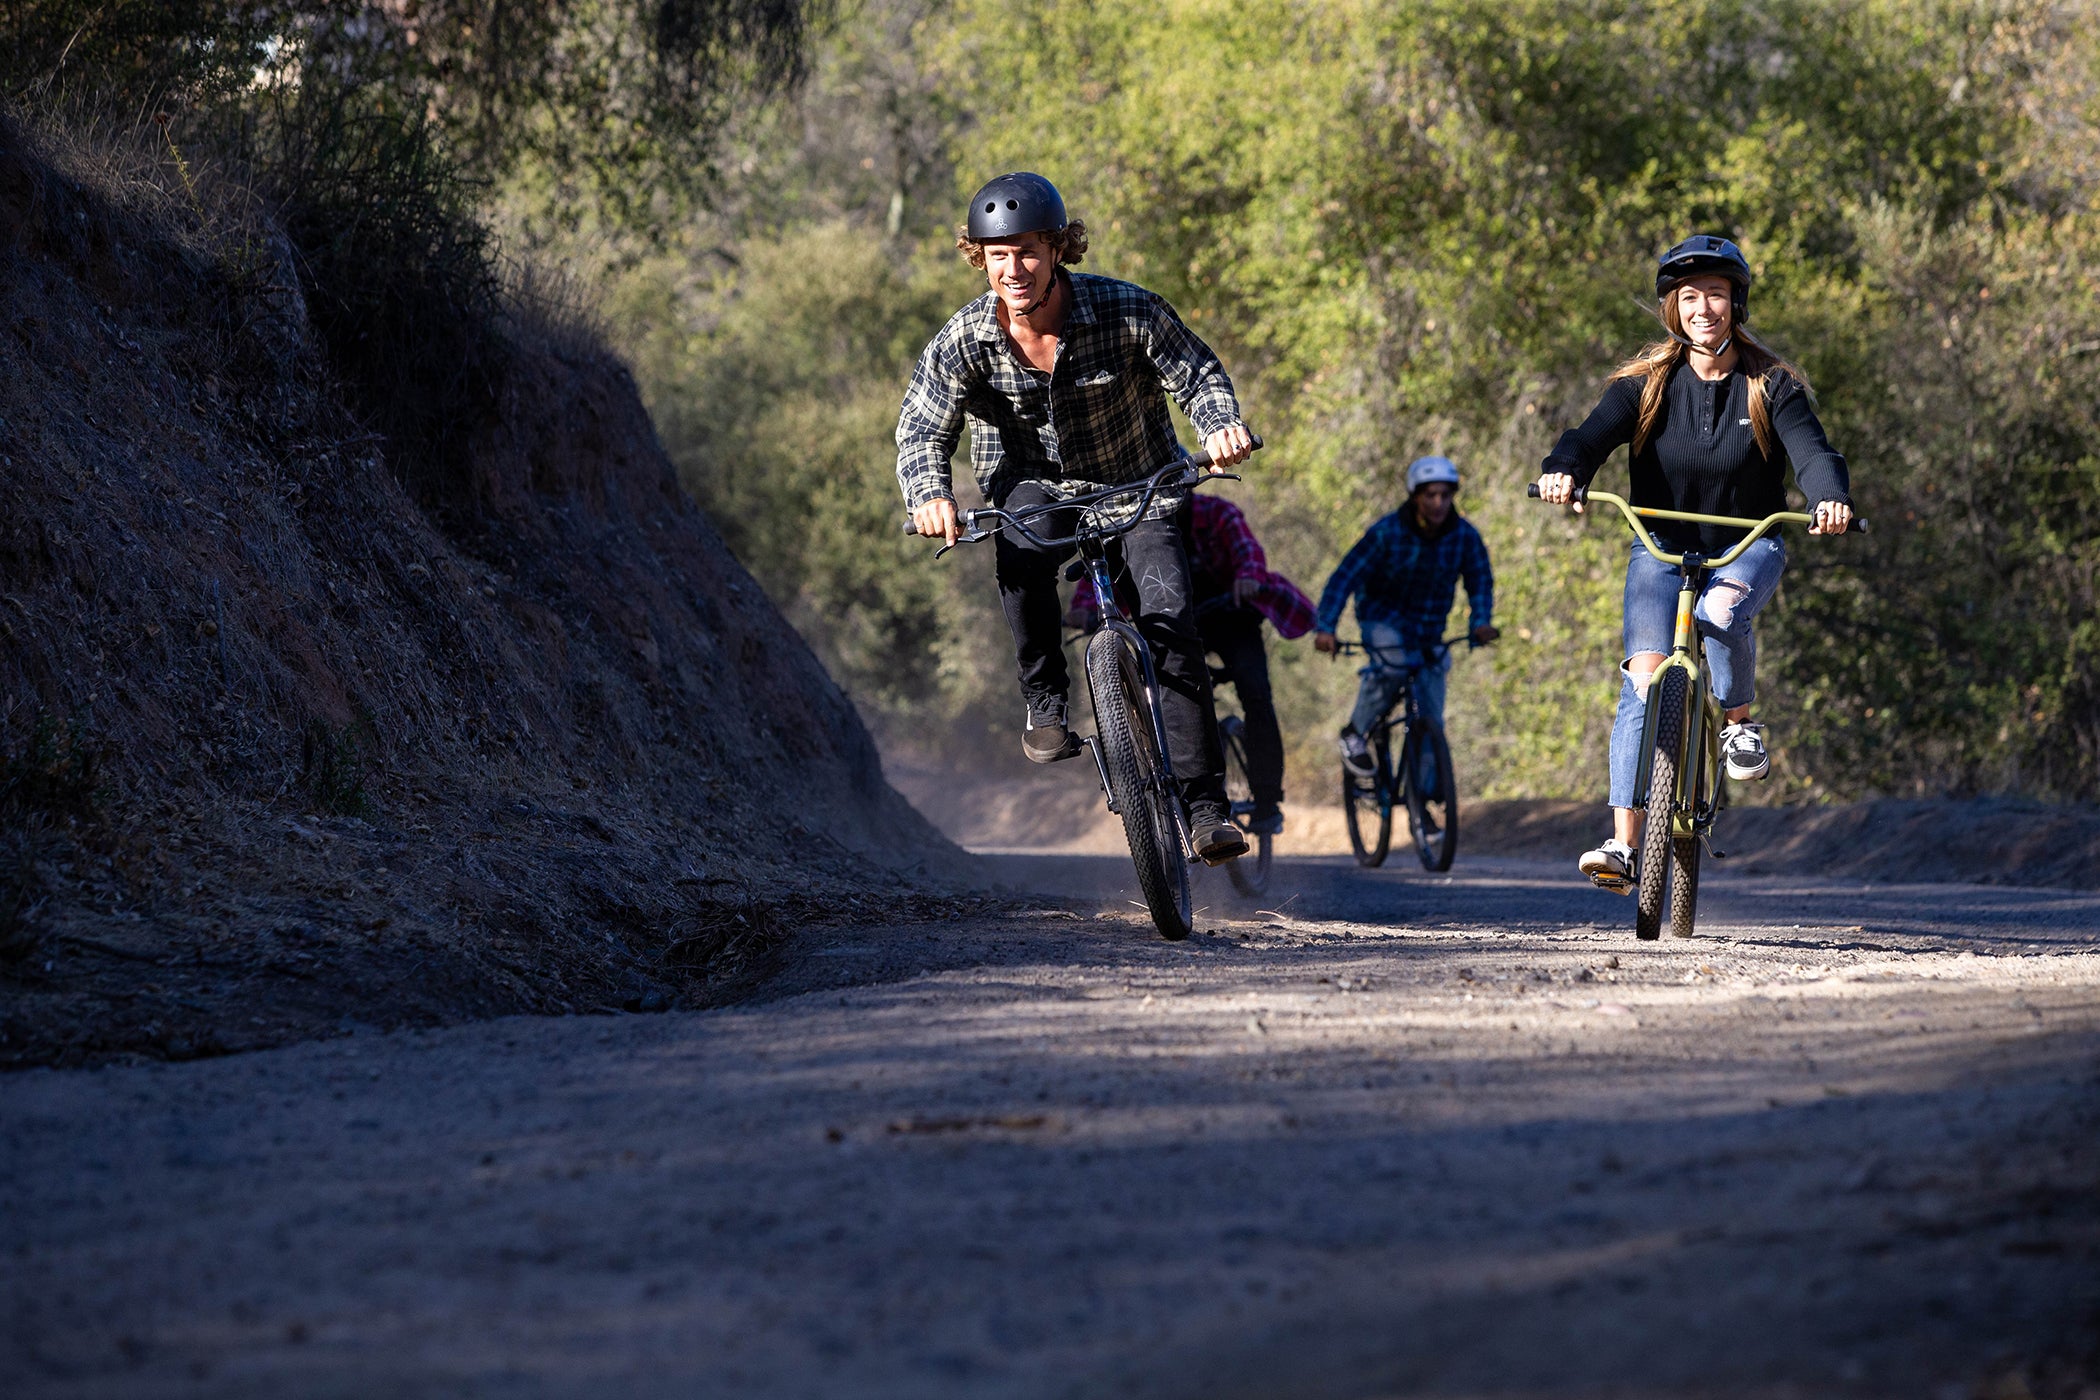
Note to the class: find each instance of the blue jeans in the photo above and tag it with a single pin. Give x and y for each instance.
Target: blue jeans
(1391, 661)
(1726, 607)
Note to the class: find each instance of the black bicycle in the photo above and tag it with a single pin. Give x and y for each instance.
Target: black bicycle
(1129, 739)
(1432, 805)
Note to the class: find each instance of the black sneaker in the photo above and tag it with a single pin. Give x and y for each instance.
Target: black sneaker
(1045, 739)
(1216, 839)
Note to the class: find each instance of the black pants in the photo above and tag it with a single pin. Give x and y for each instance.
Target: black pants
(1157, 566)
(1235, 635)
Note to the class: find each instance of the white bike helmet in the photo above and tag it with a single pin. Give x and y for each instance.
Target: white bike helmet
(1426, 471)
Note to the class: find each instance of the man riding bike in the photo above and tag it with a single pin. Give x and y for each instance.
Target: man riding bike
(1403, 575)
(1063, 378)
(1712, 418)
(1234, 591)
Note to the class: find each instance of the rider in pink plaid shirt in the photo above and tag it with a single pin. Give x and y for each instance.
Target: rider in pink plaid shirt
(1234, 591)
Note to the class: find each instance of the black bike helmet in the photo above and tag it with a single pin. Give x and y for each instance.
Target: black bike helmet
(1706, 255)
(1016, 204)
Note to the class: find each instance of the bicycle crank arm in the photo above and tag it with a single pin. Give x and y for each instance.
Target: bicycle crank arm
(1101, 770)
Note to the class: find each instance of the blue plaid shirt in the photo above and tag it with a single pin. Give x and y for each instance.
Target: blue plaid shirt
(1098, 419)
(1399, 577)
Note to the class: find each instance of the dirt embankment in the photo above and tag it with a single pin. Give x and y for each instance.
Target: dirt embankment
(289, 745)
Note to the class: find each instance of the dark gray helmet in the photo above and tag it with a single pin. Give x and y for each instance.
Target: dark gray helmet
(1016, 204)
(1706, 255)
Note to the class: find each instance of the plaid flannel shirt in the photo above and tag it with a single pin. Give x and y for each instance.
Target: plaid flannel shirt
(1099, 418)
(1222, 549)
(1399, 576)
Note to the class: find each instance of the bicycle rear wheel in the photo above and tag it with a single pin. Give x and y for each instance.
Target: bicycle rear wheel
(1669, 692)
(1432, 808)
(1130, 751)
(1367, 804)
(1250, 872)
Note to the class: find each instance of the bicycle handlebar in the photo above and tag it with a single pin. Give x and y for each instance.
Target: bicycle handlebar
(1342, 648)
(1187, 471)
(1758, 528)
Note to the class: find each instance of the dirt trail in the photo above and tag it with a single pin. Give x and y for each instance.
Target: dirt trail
(1006, 806)
(1455, 1137)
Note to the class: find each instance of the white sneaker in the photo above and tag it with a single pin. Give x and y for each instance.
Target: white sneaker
(1356, 755)
(1610, 866)
(1743, 750)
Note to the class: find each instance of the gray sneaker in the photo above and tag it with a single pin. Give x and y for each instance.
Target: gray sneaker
(1212, 832)
(1045, 737)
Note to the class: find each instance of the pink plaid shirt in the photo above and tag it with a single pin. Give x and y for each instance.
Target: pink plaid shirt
(1222, 548)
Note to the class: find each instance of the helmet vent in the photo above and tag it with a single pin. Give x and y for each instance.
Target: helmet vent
(990, 205)
(1013, 203)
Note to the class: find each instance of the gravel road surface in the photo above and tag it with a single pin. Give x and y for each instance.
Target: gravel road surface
(1377, 1134)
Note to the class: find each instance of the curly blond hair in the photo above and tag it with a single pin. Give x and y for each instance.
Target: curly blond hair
(1069, 243)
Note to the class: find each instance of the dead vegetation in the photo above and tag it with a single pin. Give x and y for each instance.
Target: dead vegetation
(294, 738)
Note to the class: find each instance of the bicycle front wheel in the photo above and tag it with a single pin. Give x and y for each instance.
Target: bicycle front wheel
(1669, 692)
(1250, 872)
(1684, 855)
(1367, 805)
(1432, 805)
(1137, 778)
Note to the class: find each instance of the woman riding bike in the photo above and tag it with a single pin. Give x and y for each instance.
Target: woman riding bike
(1713, 418)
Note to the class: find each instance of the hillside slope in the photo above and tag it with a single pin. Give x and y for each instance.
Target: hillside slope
(290, 748)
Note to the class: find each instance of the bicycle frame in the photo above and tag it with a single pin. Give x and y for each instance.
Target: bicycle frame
(1690, 816)
(1431, 655)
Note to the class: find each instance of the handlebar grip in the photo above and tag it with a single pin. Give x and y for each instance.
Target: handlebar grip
(1858, 526)
(1532, 490)
(1201, 458)
(911, 527)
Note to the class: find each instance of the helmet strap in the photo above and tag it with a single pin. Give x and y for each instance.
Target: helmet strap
(1048, 292)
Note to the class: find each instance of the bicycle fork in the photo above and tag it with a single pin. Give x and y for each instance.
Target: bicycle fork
(1699, 755)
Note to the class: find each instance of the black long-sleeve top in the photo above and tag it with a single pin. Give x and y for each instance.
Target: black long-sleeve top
(1702, 456)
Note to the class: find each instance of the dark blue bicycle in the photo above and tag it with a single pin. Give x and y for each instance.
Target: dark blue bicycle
(1422, 781)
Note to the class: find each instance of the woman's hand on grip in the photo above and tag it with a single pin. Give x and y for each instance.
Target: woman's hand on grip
(1558, 488)
(1832, 518)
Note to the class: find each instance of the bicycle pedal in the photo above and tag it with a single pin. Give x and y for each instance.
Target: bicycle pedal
(1613, 884)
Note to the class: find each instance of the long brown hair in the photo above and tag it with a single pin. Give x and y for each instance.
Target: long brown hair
(1760, 366)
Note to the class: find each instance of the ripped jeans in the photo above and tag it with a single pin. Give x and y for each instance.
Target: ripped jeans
(1726, 607)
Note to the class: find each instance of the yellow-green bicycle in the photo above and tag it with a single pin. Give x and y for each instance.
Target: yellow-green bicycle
(1679, 785)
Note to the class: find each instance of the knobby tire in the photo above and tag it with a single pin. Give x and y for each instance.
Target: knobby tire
(1124, 724)
(1367, 805)
(1669, 694)
(1250, 872)
(1438, 808)
(1684, 861)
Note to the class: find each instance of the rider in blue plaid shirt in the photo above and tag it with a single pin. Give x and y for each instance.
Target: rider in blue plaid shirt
(1404, 574)
(1063, 380)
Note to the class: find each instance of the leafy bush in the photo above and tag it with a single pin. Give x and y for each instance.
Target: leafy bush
(1431, 227)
